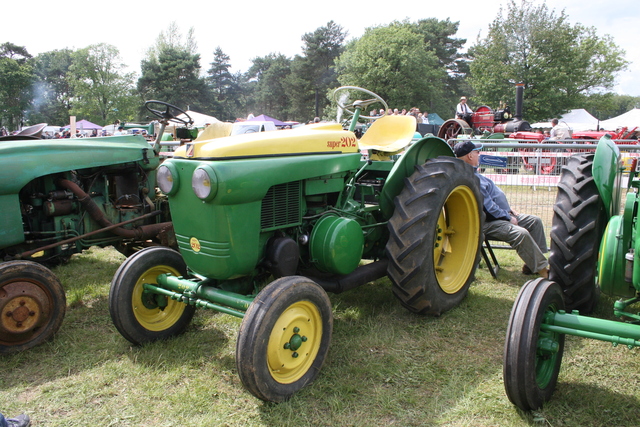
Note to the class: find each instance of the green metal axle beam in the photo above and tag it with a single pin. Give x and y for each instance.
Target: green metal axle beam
(201, 295)
(593, 328)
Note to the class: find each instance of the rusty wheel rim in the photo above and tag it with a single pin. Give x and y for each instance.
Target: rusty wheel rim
(25, 307)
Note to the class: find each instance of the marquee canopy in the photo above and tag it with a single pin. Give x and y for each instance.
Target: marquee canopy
(630, 119)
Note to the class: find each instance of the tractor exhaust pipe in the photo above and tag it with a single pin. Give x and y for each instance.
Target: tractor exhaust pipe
(361, 275)
(140, 233)
(519, 101)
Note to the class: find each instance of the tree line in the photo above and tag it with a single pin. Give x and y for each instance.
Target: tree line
(410, 64)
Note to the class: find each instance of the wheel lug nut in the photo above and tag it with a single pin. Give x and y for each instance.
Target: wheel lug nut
(296, 330)
(304, 339)
(295, 354)
(287, 346)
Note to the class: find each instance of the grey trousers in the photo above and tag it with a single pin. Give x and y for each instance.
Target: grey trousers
(527, 238)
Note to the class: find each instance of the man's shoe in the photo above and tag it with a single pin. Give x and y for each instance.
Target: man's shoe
(21, 420)
(527, 271)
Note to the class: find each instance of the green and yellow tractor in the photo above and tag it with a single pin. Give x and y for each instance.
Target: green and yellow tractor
(594, 250)
(268, 223)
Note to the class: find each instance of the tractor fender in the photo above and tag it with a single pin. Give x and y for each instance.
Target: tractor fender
(606, 174)
(426, 148)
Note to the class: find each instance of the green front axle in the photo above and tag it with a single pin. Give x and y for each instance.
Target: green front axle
(589, 327)
(200, 294)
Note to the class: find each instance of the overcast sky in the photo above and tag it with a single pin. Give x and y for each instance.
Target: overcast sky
(250, 28)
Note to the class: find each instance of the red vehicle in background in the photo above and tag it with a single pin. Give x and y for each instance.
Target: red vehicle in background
(485, 120)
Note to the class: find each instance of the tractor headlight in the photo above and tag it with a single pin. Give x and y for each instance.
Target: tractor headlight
(168, 178)
(204, 182)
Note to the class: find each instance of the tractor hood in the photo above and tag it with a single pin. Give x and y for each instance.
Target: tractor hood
(310, 139)
(22, 161)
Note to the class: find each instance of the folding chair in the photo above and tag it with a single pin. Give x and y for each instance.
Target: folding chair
(490, 258)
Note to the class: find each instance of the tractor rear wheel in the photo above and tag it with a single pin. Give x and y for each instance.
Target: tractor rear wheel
(532, 357)
(32, 305)
(142, 316)
(579, 221)
(284, 338)
(435, 236)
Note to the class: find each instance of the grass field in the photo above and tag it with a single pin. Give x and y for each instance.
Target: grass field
(386, 366)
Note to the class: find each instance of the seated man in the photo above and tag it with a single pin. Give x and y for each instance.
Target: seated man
(463, 111)
(525, 233)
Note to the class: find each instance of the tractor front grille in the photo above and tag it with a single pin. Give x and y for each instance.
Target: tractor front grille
(281, 206)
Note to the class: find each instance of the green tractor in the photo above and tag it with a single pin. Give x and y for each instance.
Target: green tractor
(268, 223)
(585, 218)
(59, 197)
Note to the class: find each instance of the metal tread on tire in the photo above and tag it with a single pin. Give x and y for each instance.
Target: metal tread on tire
(435, 236)
(578, 225)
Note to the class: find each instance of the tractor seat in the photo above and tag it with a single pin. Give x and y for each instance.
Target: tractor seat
(31, 132)
(389, 134)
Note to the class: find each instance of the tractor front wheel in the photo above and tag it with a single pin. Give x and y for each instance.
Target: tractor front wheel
(142, 316)
(532, 357)
(284, 338)
(32, 305)
(435, 236)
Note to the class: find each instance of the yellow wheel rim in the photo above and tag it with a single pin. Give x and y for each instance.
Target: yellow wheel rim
(456, 243)
(155, 319)
(294, 342)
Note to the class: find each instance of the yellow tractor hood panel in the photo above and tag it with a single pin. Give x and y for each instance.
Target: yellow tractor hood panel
(308, 139)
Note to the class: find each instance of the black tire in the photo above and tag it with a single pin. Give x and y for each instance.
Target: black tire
(269, 362)
(135, 314)
(579, 221)
(435, 236)
(32, 305)
(530, 371)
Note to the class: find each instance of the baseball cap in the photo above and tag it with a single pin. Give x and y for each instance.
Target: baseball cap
(465, 147)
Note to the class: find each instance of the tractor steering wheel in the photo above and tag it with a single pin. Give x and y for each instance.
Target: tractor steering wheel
(170, 113)
(359, 103)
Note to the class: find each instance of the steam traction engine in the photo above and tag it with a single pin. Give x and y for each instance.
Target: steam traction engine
(487, 120)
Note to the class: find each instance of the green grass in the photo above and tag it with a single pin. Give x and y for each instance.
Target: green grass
(385, 366)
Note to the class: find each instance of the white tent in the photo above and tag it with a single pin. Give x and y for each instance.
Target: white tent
(630, 119)
(578, 120)
(199, 119)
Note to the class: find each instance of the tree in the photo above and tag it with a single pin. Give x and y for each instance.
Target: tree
(219, 77)
(558, 63)
(16, 80)
(222, 84)
(266, 82)
(171, 72)
(439, 38)
(52, 91)
(604, 106)
(313, 73)
(102, 91)
(395, 62)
